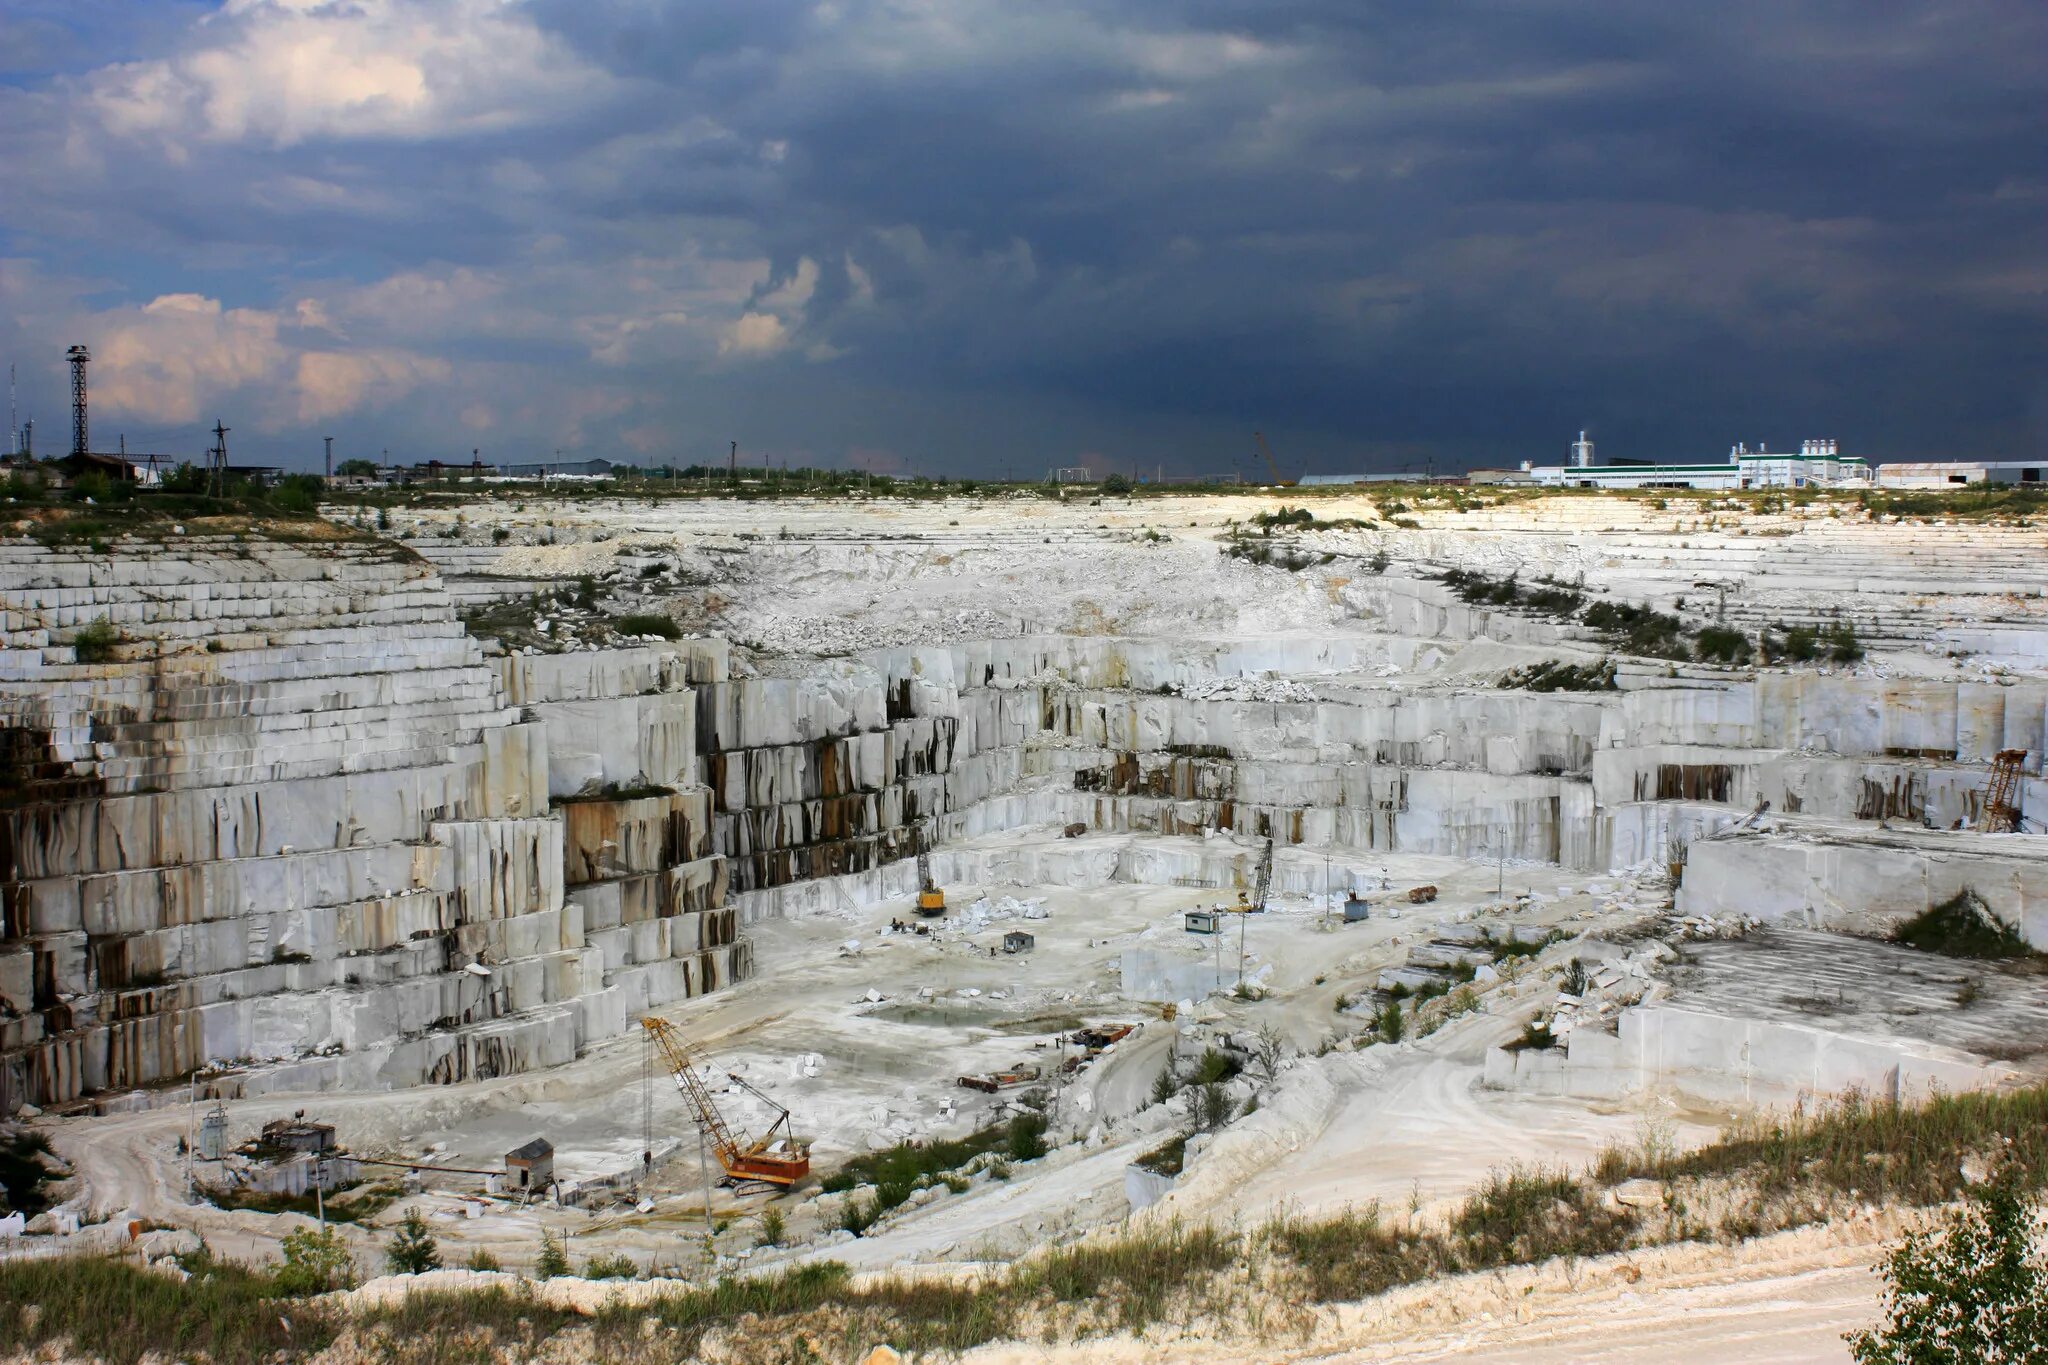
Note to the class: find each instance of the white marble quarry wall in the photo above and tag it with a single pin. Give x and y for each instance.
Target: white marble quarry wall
(1721, 1060)
(628, 742)
(598, 675)
(321, 852)
(1925, 791)
(1867, 888)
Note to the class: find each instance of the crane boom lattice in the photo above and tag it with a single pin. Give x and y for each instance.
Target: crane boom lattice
(763, 1160)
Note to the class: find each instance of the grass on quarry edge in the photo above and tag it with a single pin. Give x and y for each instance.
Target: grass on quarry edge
(1786, 1168)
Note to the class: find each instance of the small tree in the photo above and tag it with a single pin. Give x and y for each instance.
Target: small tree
(1266, 1050)
(1116, 484)
(315, 1262)
(553, 1260)
(1971, 1291)
(412, 1249)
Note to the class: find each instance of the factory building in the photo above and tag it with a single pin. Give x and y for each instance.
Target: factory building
(1818, 464)
(1959, 473)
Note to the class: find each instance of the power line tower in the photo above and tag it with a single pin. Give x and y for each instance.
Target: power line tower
(217, 461)
(79, 357)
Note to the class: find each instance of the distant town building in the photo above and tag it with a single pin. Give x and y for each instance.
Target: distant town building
(1818, 464)
(1335, 480)
(556, 469)
(1952, 473)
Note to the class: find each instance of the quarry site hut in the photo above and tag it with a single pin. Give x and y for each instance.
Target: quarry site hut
(531, 1166)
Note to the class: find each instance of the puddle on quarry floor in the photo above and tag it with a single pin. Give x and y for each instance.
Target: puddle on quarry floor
(959, 1015)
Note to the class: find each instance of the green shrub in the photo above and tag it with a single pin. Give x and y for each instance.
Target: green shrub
(1963, 926)
(1216, 1065)
(1165, 1085)
(296, 495)
(481, 1260)
(1389, 1022)
(94, 643)
(1166, 1159)
(1116, 484)
(858, 1215)
(1638, 629)
(773, 1227)
(412, 1249)
(1026, 1139)
(619, 1267)
(314, 1263)
(1972, 1289)
(1718, 644)
(22, 1173)
(553, 1260)
(1801, 645)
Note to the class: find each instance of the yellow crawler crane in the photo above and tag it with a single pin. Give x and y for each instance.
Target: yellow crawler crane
(768, 1159)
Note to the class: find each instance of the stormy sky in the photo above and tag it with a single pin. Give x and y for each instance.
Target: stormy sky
(983, 238)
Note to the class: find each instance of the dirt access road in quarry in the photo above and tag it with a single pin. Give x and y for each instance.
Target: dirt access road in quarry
(984, 675)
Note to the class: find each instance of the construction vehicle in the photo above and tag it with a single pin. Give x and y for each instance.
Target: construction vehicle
(1262, 883)
(1023, 1073)
(2000, 815)
(749, 1165)
(931, 902)
(1271, 463)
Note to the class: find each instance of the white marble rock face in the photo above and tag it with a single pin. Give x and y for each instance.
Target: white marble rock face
(284, 857)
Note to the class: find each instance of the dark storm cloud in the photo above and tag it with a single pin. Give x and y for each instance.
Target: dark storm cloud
(1386, 231)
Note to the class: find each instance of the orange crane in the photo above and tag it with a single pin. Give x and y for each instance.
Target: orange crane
(767, 1159)
(1272, 463)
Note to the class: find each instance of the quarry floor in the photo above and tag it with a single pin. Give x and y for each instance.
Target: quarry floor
(888, 1021)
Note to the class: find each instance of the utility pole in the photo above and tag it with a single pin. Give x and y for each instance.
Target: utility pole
(704, 1172)
(13, 421)
(1243, 919)
(79, 357)
(330, 455)
(217, 461)
(732, 476)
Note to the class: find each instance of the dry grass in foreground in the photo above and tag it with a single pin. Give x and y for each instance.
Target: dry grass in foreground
(1766, 1175)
